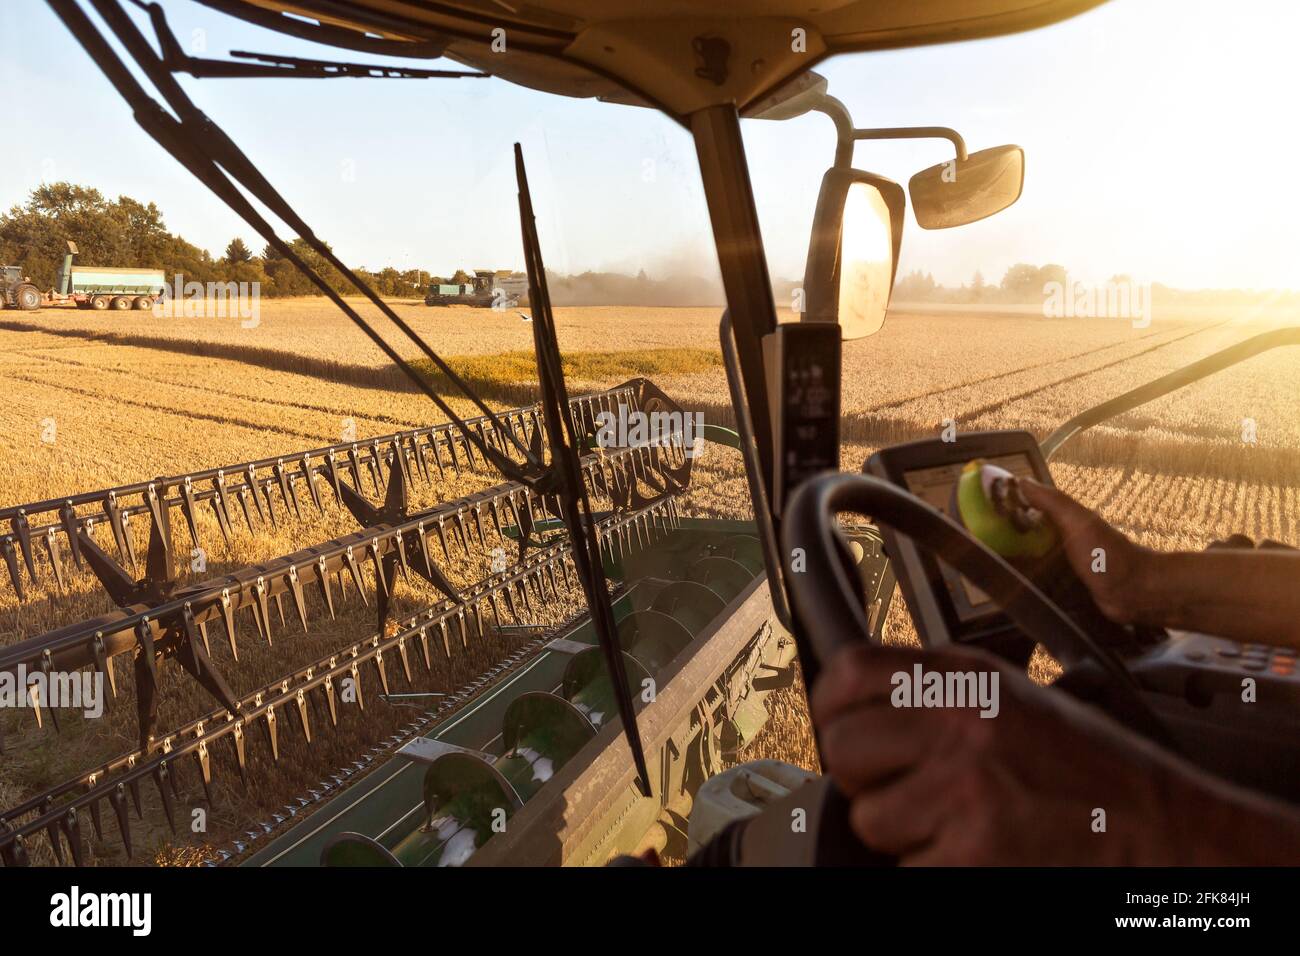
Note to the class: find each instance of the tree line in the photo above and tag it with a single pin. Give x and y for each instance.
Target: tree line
(126, 233)
(1022, 283)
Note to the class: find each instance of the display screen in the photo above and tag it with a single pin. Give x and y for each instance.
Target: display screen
(935, 486)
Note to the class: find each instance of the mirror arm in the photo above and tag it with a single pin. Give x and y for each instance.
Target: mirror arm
(916, 132)
(846, 134)
(839, 114)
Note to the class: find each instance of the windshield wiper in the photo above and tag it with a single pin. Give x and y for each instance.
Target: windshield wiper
(563, 478)
(204, 148)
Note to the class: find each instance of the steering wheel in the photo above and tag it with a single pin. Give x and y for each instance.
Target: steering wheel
(828, 598)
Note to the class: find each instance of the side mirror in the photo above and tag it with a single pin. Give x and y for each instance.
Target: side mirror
(853, 255)
(962, 191)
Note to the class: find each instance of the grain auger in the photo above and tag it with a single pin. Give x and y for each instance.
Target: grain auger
(469, 795)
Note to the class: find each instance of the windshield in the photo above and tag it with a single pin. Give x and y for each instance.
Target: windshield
(1155, 227)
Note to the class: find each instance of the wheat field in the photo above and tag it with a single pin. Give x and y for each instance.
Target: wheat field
(131, 396)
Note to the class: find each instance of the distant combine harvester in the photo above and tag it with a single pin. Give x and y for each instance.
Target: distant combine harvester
(488, 289)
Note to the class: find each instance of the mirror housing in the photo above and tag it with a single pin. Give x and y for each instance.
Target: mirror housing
(853, 254)
(962, 191)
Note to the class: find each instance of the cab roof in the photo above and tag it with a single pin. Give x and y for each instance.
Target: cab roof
(678, 55)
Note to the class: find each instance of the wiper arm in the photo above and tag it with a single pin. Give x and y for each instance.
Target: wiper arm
(177, 60)
(207, 151)
(563, 478)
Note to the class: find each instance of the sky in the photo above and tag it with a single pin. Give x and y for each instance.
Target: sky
(1160, 140)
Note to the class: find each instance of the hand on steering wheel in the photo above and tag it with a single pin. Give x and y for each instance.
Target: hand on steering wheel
(1046, 781)
(828, 601)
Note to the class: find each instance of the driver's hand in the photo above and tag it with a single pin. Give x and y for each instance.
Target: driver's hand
(1112, 567)
(1045, 781)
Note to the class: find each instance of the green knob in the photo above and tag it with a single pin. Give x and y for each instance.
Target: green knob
(988, 503)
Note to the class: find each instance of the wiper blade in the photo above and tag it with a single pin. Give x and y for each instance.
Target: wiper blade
(564, 475)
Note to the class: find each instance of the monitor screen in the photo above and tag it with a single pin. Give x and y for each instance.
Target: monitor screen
(934, 486)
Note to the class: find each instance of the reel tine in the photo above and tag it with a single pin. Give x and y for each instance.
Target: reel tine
(23, 530)
(96, 820)
(299, 600)
(356, 686)
(11, 562)
(451, 450)
(56, 563)
(332, 465)
(70, 824)
(117, 800)
(268, 725)
(113, 513)
(323, 581)
(262, 609)
(162, 778)
(68, 519)
(228, 616)
(202, 758)
(187, 509)
(301, 700)
(437, 458)
(309, 476)
(327, 688)
(424, 650)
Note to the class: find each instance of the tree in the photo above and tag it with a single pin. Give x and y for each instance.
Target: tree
(238, 252)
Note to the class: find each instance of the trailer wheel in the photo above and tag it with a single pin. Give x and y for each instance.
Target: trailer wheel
(121, 303)
(143, 302)
(99, 302)
(27, 297)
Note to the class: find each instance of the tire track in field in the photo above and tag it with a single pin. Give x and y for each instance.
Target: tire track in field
(166, 410)
(227, 393)
(898, 403)
(975, 413)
